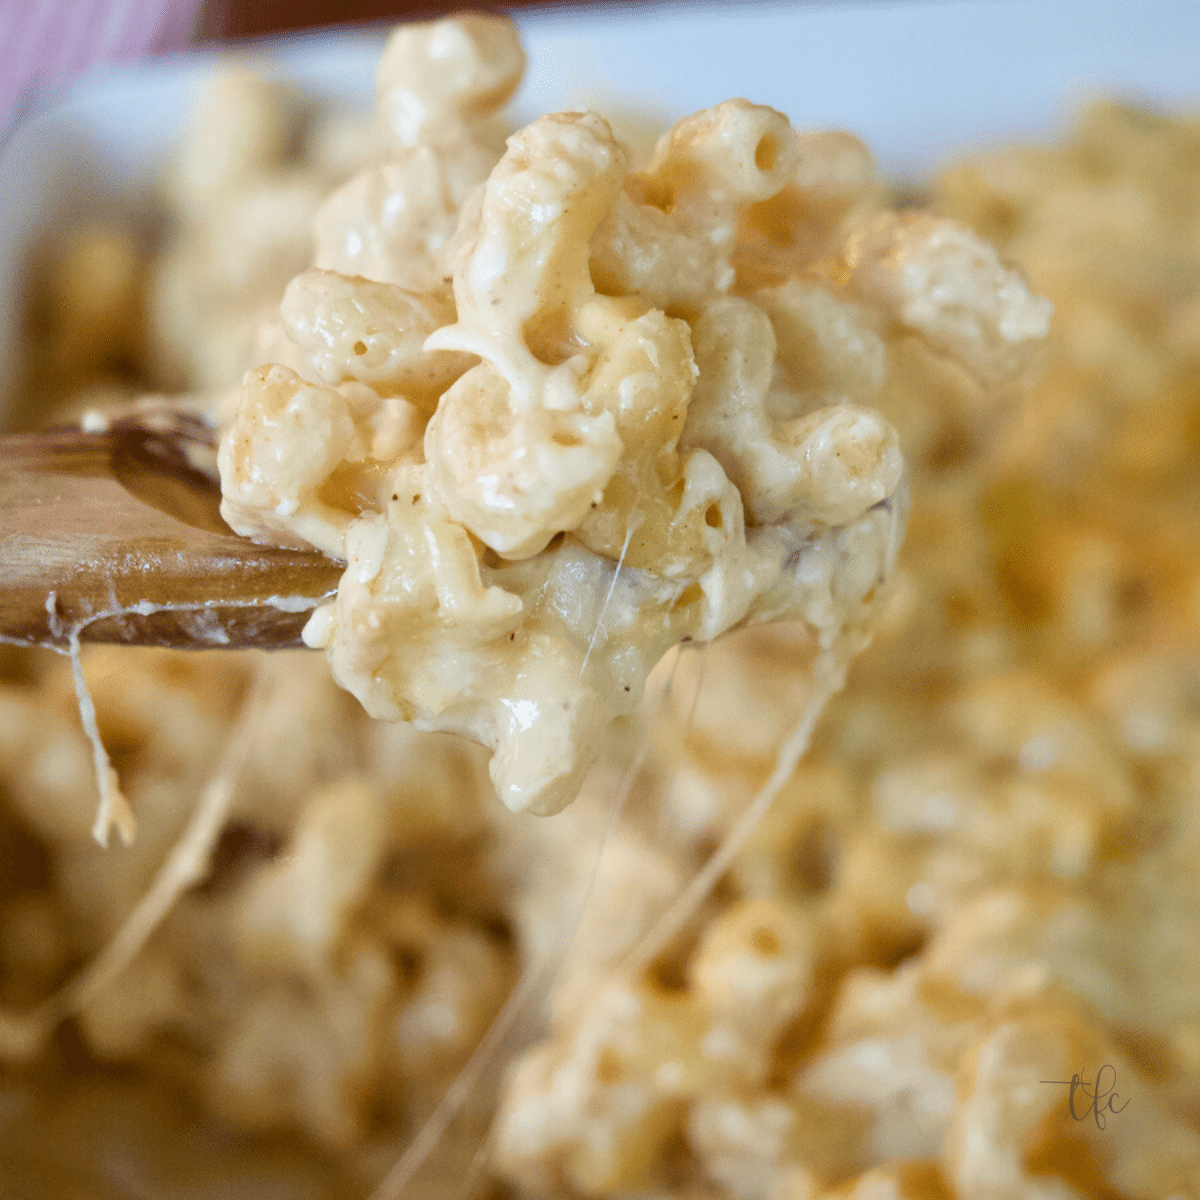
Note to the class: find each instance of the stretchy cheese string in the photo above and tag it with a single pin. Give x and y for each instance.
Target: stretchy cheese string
(612, 586)
(828, 675)
(113, 808)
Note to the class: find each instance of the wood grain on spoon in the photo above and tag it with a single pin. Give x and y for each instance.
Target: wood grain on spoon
(115, 534)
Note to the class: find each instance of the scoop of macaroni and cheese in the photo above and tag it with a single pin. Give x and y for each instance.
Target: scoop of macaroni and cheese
(557, 415)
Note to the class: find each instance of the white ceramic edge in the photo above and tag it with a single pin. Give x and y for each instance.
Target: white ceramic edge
(917, 80)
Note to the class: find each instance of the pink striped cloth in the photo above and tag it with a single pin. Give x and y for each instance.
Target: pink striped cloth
(46, 42)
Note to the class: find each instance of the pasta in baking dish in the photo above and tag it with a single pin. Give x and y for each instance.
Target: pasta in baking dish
(561, 404)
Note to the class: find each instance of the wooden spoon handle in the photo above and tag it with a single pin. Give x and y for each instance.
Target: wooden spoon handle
(116, 537)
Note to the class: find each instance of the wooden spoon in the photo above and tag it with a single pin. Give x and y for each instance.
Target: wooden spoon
(116, 536)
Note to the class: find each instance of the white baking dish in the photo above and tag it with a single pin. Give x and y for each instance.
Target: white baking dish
(918, 81)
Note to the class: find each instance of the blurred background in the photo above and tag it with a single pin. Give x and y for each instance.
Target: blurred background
(220, 19)
(46, 43)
